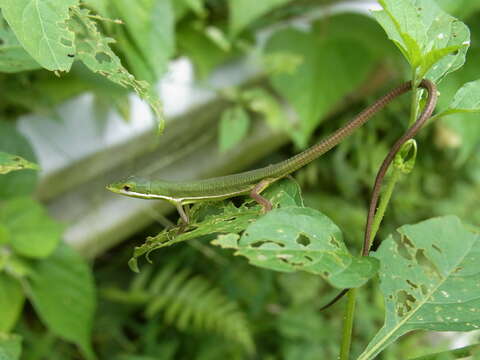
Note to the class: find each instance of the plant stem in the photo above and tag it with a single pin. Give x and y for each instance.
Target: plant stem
(457, 353)
(348, 325)
(384, 200)
(415, 99)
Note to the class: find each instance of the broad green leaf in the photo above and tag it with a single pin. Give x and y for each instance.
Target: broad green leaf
(11, 302)
(460, 129)
(63, 294)
(233, 127)
(430, 279)
(10, 346)
(32, 233)
(244, 12)
(150, 23)
(16, 183)
(302, 239)
(466, 100)
(327, 73)
(433, 42)
(9, 162)
(459, 8)
(94, 51)
(220, 218)
(41, 27)
(13, 57)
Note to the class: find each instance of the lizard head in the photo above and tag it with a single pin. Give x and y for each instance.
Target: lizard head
(133, 186)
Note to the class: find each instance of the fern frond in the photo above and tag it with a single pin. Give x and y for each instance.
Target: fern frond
(188, 302)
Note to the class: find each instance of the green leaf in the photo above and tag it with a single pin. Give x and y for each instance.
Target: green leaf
(430, 280)
(40, 26)
(302, 239)
(32, 233)
(262, 102)
(234, 126)
(328, 73)
(63, 294)
(203, 52)
(150, 23)
(466, 100)
(11, 302)
(433, 42)
(18, 182)
(244, 12)
(220, 218)
(94, 51)
(9, 162)
(10, 346)
(13, 57)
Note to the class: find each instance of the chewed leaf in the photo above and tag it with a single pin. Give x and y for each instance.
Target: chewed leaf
(40, 26)
(216, 218)
(433, 42)
(9, 162)
(93, 49)
(301, 239)
(430, 279)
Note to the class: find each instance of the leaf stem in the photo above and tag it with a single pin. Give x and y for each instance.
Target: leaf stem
(348, 325)
(457, 353)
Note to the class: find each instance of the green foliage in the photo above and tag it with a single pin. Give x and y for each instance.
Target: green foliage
(9, 162)
(301, 239)
(13, 57)
(234, 126)
(327, 68)
(41, 27)
(27, 228)
(11, 302)
(150, 32)
(243, 12)
(17, 182)
(10, 347)
(433, 42)
(188, 303)
(428, 281)
(466, 100)
(63, 294)
(315, 69)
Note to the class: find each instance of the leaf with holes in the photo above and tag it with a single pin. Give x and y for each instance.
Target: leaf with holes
(302, 239)
(9, 162)
(430, 280)
(40, 26)
(220, 218)
(93, 49)
(433, 42)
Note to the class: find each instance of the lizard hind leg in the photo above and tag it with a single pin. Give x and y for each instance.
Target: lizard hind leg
(255, 195)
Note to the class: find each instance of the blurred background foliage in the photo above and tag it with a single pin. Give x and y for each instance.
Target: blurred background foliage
(199, 302)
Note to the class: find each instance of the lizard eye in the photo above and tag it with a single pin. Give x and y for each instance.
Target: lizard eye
(126, 188)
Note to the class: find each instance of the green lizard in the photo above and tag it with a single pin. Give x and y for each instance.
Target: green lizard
(181, 193)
